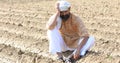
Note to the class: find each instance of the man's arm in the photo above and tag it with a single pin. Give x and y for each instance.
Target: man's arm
(77, 53)
(53, 21)
(84, 34)
(82, 43)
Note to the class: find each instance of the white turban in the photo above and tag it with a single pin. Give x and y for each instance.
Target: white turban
(63, 5)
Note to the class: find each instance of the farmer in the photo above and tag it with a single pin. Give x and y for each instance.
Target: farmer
(66, 31)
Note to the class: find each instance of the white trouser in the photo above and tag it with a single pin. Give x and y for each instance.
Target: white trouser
(57, 43)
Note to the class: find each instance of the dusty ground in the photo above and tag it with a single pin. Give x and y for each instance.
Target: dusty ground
(23, 34)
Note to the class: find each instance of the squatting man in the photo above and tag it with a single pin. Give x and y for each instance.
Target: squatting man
(67, 31)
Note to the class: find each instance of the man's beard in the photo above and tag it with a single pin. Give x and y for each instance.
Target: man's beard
(65, 17)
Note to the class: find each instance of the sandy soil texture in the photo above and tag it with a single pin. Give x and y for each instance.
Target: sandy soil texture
(23, 37)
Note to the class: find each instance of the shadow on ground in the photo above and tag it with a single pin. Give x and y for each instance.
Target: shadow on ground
(67, 53)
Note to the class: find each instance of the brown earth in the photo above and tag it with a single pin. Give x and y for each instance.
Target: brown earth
(23, 36)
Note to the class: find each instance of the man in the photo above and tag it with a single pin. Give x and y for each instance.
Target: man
(67, 32)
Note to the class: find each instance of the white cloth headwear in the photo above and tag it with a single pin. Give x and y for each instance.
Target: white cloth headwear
(63, 5)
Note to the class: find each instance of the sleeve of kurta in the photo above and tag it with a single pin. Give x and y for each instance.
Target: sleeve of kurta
(82, 31)
(50, 21)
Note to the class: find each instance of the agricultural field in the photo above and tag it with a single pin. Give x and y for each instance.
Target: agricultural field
(23, 33)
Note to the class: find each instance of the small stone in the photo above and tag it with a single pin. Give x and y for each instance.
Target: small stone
(20, 52)
(20, 24)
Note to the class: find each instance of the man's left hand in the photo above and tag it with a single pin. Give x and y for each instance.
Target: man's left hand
(76, 54)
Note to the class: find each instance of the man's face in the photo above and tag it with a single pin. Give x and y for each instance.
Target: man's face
(65, 15)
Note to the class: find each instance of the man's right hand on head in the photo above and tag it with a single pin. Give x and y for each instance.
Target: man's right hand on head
(57, 8)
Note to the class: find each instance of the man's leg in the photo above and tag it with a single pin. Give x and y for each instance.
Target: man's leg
(87, 46)
(56, 44)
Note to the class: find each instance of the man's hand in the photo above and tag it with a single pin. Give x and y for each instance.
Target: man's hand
(57, 8)
(76, 54)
